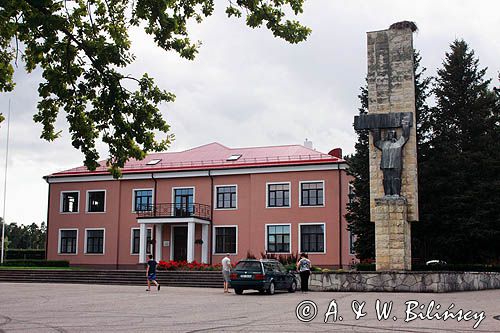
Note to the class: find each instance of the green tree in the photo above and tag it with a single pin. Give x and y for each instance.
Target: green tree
(83, 48)
(358, 216)
(460, 179)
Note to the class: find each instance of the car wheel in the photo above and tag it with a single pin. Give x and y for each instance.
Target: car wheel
(293, 287)
(239, 291)
(271, 290)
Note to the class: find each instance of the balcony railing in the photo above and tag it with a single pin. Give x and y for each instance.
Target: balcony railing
(172, 210)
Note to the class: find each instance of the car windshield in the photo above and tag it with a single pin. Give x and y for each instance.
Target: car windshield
(249, 266)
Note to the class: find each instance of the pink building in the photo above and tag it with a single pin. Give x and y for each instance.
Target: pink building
(202, 203)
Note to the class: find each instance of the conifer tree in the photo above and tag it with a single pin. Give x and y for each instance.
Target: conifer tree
(358, 216)
(460, 173)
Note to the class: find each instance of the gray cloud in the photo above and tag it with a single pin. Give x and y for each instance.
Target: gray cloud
(247, 88)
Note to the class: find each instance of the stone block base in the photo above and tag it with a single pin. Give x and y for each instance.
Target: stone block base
(392, 234)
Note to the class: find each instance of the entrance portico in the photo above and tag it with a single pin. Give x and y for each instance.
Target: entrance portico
(186, 218)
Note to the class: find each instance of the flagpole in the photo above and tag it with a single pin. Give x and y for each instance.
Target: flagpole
(5, 186)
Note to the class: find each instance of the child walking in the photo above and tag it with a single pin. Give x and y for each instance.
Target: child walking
(151, 273)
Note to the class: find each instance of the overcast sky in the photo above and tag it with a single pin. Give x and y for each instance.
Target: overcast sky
(246, 88)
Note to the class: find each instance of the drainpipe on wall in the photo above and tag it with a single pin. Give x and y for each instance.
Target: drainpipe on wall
(118, 222)
(47, 227)
(211, 216)
(340, 216)
(153, 250)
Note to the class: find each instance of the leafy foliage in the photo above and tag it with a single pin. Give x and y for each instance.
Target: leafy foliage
(25, 236)
(83, 49)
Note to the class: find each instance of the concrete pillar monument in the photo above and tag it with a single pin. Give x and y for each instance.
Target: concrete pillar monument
(392, 143)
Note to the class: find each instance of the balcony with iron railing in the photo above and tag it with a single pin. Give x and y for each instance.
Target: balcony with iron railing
(175, 210)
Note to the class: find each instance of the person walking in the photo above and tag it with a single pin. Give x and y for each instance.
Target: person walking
(226, 271)
(304, 267)
(151, 273)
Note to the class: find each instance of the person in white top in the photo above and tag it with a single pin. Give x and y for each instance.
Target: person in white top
(226, 271)
(304, 267)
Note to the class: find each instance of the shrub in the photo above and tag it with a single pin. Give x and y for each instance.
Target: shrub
(457, 268)
(25, 254)
(36, 263)
(365, 267)
(187, 266)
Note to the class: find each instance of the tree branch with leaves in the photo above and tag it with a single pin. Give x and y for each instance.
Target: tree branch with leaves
(83, 48)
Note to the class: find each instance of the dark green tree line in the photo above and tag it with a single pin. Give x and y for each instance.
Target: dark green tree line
(25, 236)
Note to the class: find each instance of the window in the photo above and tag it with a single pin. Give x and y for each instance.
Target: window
(136, 236)
(94, 243)
(143, 200)
(67, 241)
(312, 238)
(226, 197)
(154, 162)
(184, 199)
(225, 240)
(233, 157)
(311, 194)
(278, 238)
(96, 201)
(278, 195)
(70, 202)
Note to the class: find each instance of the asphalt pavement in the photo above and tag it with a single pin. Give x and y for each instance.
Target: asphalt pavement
(100, 308)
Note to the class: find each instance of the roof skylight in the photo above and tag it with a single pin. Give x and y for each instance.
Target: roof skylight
(153, 162)
(233, 157)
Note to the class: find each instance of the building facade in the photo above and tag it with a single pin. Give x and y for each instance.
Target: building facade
(202, 203)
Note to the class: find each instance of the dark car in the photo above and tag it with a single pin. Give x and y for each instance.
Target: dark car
(264, 275)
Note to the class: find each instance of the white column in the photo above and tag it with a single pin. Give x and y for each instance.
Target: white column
(142, 243)
(190, 242)
(159, 241)
(204, 246)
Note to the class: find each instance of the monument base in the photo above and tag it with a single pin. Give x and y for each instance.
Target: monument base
(392, 234)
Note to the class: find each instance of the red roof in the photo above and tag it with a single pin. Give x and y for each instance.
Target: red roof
(214, 156)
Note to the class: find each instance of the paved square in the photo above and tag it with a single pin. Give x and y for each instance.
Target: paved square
(98, 308)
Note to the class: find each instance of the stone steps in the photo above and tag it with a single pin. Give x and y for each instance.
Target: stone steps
(118, 277)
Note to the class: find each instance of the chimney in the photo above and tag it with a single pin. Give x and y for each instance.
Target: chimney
(308, 144)
(336, 152)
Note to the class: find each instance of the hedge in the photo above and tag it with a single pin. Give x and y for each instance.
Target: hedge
(36, 263)
(25, 254)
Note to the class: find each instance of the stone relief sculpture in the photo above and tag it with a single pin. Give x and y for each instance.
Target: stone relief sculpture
(391, 162)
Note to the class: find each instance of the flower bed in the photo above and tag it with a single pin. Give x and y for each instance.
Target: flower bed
(187, 266)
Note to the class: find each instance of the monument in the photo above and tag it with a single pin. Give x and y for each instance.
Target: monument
(392, 143)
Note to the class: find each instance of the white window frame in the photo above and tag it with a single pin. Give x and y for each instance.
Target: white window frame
(289, 194)
(142, 189)
(181, 188)
(87, 201)
(61, 204)
(59, 242)
(216, 199)
(300, 193)
(278, 224)
(132, 239)
(103, 242)
(324, 237)
(213, 238)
